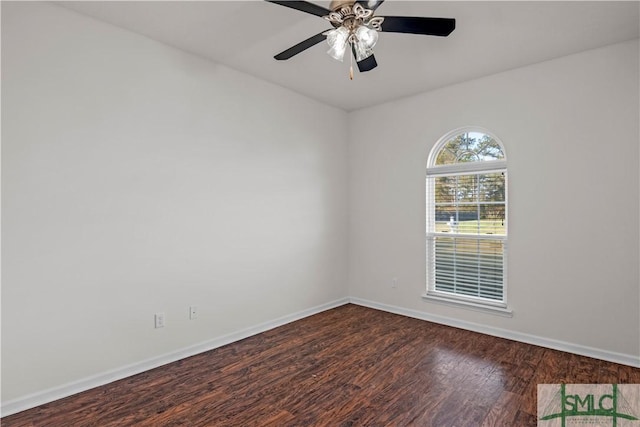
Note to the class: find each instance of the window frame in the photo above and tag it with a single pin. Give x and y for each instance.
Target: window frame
(464, 168)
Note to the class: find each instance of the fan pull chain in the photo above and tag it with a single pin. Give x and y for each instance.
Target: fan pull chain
(351, 68)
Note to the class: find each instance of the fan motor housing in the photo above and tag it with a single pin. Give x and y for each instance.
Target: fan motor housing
(336, 5)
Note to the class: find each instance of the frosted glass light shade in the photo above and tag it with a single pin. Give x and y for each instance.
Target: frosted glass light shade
(367, 36)
(337, 40)
(366, 39)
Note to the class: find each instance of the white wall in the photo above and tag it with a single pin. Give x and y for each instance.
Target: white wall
(139, 179)
(570, 128)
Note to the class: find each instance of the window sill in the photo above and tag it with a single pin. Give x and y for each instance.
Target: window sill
(499, 311)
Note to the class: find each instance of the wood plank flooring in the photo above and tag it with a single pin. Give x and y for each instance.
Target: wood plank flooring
(350, 366)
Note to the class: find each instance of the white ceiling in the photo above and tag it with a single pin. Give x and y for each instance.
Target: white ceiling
(490, 37)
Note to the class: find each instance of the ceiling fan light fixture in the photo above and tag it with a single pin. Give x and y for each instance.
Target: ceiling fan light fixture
(337, 40)
(356, 27)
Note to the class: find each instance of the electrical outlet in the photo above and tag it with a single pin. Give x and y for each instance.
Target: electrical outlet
(394, 282)
(193, 312)
(159, 320)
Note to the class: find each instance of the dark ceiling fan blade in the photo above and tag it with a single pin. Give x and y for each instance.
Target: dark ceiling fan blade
(303, 45)
(417, 25)
(370, 4)
(303, 6)
(367, 64)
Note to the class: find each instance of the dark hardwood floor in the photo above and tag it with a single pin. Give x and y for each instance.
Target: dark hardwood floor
(350, 366)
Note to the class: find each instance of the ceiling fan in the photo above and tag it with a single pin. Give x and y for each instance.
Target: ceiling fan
(356, 26)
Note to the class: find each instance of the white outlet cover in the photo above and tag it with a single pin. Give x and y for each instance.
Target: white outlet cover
(159, 320)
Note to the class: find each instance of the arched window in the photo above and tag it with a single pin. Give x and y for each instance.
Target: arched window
(467, 219)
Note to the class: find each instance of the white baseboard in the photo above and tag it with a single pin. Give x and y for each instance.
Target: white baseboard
(46, 396)
(610, 356)
(49, 395)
